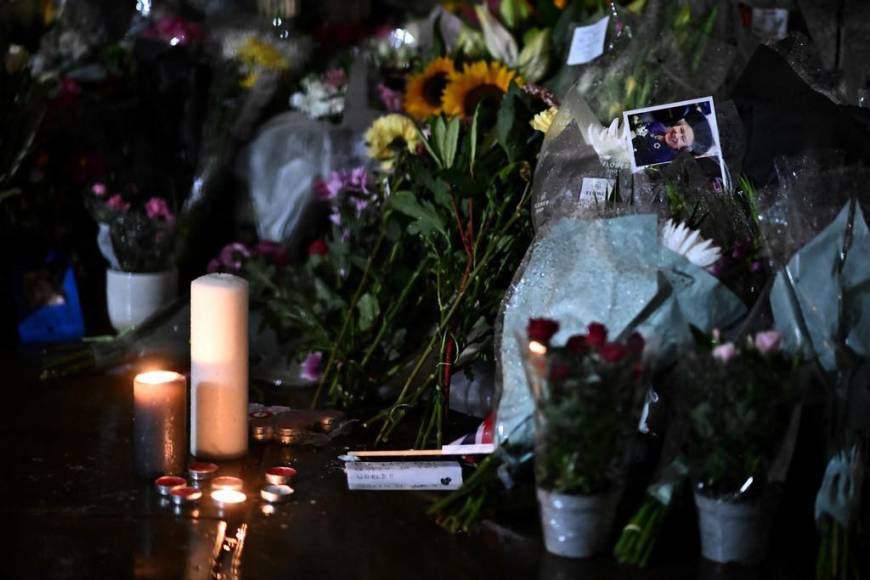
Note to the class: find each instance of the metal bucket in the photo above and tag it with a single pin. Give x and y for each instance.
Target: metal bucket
(577, 526)
(733, 531)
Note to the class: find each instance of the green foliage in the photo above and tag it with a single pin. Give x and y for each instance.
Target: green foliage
(735, 415)
(586, 421)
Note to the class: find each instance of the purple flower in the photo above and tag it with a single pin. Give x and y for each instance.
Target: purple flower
(768, 342)
(98, 189)
(311, 367)
(725, 352)
(230, 259)
(117, 203)
(392, 100)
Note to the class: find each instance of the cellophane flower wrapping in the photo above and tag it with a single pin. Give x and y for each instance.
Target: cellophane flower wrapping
(598, 257)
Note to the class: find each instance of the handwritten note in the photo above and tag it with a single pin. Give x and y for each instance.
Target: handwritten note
(587, 44)
(404, 475)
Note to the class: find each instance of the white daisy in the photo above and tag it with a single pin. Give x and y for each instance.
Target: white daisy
(687, 242)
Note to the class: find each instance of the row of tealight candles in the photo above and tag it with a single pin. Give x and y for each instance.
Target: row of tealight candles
(226, 491)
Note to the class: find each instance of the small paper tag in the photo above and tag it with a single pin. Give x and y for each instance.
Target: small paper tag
(587, 44)
(594, 191)
(770, 23)
(473, 449)
(398, 475)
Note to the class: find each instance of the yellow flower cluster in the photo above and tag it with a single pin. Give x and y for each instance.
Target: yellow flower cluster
(388, 135)
(257, 56)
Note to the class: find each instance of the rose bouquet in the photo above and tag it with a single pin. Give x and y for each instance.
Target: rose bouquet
(588, 399)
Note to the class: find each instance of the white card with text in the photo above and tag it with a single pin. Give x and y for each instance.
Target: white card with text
(404, 475)
(587, 44)
(594, 191)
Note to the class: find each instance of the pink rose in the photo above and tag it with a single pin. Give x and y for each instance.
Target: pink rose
(768, 342)
(98, 189)
(725, 352)
(117, 203)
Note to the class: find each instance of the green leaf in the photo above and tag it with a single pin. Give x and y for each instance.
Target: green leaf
(473, 138)
(369, 310)
(506, 117)
(427, 218)
(439, 136)
(428, 147)
(451, 141)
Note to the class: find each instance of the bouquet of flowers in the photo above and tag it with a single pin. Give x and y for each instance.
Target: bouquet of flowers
(588, 398)
(135, 236)
(815, 228)
(736, 403)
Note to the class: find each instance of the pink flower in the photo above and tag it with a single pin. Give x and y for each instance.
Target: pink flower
(768, 342)
(175, 31)
(725, 352)
(98, 189)
(156, 208)
(311, 367)
(117, 203)
(335, 77)
(392, 100)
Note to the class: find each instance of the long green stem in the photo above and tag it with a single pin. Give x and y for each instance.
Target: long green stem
(349, 316)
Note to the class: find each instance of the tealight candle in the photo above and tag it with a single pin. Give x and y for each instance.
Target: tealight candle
(228, 497)
(219, 366)
(227, 482)
(159, 423)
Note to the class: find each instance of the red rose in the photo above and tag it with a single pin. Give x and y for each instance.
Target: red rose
(318, 247)
(577, 343)
(542, 329)
(635, 342)
(613, 352)
(558, 371)
(597, 335)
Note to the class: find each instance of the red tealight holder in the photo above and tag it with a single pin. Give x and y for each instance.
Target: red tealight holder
(185, 495)
(280, 475)
(201, 471)
(167, 483)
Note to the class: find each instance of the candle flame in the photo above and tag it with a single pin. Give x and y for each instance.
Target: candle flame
(158, 377)
(537, 348)
(228, 496)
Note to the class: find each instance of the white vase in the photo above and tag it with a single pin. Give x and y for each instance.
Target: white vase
(734, 531)
(577, 526)
(133, 297)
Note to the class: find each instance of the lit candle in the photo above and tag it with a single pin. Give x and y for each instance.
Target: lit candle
(228, 497)
(159, 423)
(219, 366)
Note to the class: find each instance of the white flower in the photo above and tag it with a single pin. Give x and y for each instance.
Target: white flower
(680, 239)
(608, 142)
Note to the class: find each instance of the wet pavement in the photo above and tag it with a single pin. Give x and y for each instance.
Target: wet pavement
(73, 509)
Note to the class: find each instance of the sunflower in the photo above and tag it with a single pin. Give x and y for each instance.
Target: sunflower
(388, 135)
(425, 90)
(478, 81)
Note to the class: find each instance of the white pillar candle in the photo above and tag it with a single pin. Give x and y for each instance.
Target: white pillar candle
(219, 366)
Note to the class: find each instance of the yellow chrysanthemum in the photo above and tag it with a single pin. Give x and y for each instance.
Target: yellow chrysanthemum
(542, 121)
(478, 81)
(423, 95)
(388, 134)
